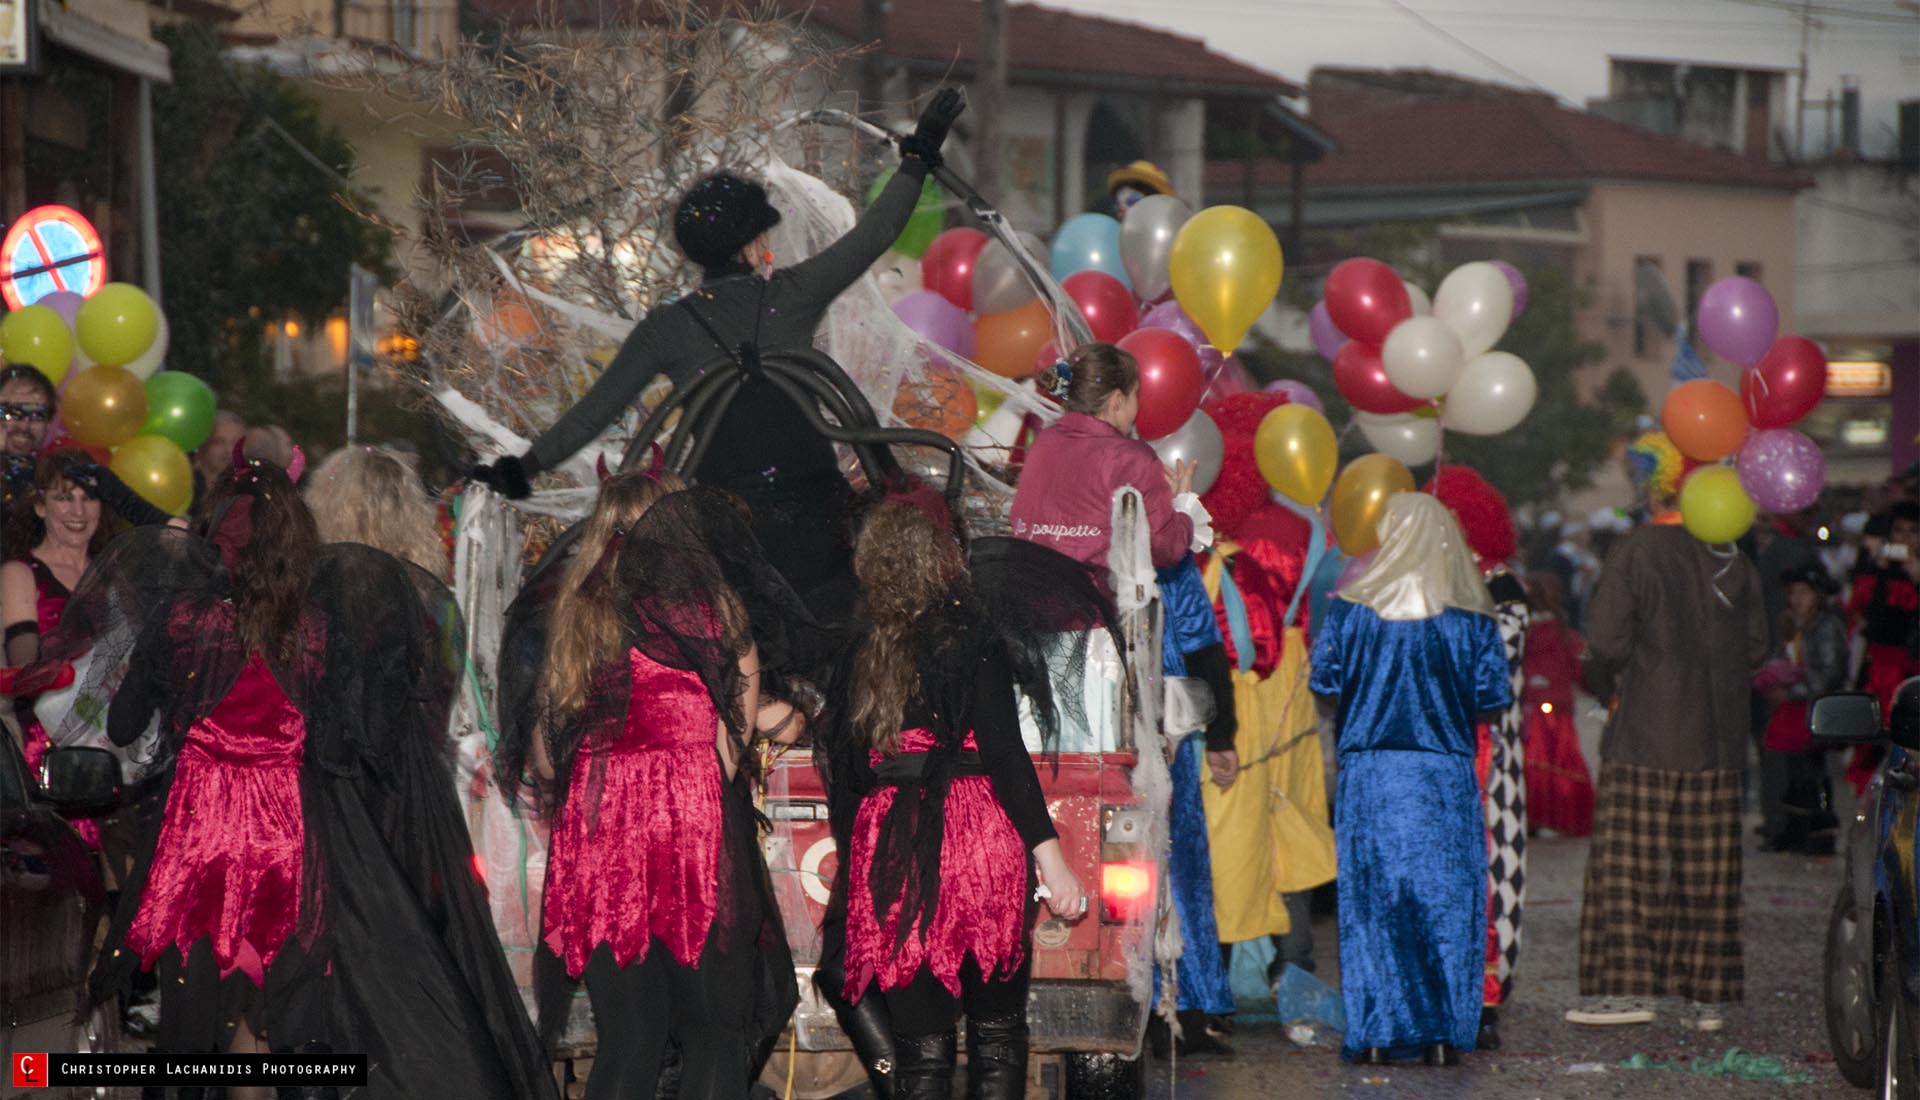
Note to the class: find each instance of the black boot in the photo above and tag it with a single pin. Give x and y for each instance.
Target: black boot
(1442, 1054)
(867, 1027)
(997, 1058)
(923, 1066)
(1195, 1040)
(1489, 1038)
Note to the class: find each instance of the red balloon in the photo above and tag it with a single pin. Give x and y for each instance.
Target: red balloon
(1360, 378)
(1049, 355)
(1171, 381)
(1105, 302)
(65, 442)
(1786, 384)
(947, 266)
(1366, 299)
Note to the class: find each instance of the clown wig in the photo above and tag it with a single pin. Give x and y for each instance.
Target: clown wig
(1481, 510)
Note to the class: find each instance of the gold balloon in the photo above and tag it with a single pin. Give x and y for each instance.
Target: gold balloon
(156, 468)
(1225, 268)
(1297, 453)
(105, 406)
(1360, 500)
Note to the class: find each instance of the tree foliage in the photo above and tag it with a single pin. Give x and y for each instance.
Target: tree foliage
(252, 231)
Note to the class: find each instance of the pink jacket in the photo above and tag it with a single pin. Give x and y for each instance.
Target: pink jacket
(1065, 496)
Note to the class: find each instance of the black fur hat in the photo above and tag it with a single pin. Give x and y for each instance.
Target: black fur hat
(719, 216)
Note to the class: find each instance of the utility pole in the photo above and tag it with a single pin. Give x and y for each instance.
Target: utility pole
(873, 67)
(1800, 110)
(990, 98)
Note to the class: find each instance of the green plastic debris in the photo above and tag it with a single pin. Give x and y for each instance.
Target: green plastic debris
(1740, 1064)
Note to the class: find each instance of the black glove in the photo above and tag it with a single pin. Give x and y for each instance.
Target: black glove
(931, 132)
(506, 476)
(106, 487)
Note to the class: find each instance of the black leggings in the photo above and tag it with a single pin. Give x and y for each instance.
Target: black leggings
(924, 1007)
(707, 1010)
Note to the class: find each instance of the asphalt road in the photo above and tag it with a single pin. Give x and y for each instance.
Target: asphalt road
(1542, 1056)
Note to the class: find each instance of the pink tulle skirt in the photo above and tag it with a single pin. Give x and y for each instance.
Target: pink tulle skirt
(984, 883)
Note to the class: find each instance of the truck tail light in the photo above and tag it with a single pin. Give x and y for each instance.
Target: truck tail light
(1126, 890)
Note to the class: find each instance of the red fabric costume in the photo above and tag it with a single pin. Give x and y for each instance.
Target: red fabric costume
(1559, 787)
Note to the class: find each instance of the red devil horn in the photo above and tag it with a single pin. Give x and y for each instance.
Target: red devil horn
(240, 455)
(297, 465)
(656, 460)
(600, 467)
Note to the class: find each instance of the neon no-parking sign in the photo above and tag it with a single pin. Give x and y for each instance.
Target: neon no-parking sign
(48, 249)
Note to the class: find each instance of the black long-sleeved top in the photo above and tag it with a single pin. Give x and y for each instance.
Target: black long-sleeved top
(1003, 753)
(763, 431)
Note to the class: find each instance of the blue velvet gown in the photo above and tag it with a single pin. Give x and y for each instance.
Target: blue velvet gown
(1202, 972)
(1408, 820)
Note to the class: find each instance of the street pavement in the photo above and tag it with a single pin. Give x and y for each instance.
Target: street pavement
(1542, 1056)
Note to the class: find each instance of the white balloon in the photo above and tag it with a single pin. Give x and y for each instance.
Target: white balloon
(1494, 395)
(898, 276)
(1197, 441)
(998, 283)
(156, 353)
(1422, 357)
(1477, 301)
(1146, 243)
(1422, 305)
(1414, 440)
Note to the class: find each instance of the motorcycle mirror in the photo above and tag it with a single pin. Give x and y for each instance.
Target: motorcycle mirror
(1846, 718)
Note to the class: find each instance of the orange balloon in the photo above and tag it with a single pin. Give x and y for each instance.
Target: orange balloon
(1705, 419)
(104, 405)
(1008, 343)
(939, 401)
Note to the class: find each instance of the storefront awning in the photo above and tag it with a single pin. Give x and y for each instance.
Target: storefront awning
(109, 47)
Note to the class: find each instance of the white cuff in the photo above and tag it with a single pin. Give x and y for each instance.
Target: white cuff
(1189, 505)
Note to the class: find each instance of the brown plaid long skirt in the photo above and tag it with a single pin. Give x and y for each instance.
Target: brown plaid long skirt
(1662, 910)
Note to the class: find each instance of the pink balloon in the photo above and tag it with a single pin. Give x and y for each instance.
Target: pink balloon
(1738, 320)
(64, 302)
(1782, 470)
(1168, 315)
(1517, 281)
(1298, 393)
(938, 321)
(1327, 337)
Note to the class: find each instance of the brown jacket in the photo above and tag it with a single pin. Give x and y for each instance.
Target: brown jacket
(1679, 631)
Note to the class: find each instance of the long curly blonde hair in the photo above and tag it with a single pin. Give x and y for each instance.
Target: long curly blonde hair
(585, 624)
(907, 563)
(371, 495)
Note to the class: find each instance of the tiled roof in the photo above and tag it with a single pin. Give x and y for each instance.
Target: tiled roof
(1518, 137)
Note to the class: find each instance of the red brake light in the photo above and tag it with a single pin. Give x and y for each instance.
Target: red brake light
(1126, 889)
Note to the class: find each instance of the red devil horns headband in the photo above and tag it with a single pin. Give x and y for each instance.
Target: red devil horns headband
(295, 466)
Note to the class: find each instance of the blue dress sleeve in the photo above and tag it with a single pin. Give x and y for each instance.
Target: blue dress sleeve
(1190, 622)
(1329, 673)
(1492, 688)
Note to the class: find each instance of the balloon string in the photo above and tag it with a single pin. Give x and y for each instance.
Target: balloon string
(1316, 549)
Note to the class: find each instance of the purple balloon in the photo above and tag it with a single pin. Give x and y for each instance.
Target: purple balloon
(1738, 319)
(1298, 393)
(1518, 282)
(1327, 337)
(1168, 315)
(1353, 570)
(937, 320)
(64, 302)
(1782, 470)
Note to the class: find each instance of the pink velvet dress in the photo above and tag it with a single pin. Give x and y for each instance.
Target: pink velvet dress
(642, 858)
(228, 860)
(983, 889)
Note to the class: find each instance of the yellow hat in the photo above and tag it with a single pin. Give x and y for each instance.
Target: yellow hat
(1142, 174)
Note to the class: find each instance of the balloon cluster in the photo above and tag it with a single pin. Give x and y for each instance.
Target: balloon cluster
(103, 355)
(1775, 469)
(1411, 366)
(1175, 289)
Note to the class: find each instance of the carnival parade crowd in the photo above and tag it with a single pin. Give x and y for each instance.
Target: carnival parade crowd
(282, 668)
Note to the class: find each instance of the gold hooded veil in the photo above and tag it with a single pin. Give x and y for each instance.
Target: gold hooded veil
(1423, 565)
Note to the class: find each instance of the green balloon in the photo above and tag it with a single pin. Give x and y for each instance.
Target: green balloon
(180, 408)
(929, 216)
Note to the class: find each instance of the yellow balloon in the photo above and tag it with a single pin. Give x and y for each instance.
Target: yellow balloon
(37, 337)
(157, 469)
(117, 325)
(105, 406)
(1360, 500)
(1296, 452)
(1714, 507)
(1225, 266)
